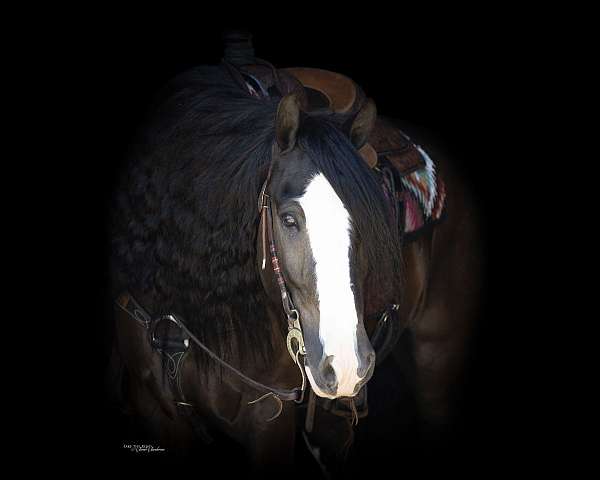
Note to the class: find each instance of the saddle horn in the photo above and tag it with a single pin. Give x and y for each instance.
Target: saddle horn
(340, 91)
(343, 96)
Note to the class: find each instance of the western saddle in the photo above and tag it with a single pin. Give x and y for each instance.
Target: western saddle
(320, 91)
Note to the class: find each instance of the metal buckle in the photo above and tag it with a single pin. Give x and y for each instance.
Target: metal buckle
(263, 197)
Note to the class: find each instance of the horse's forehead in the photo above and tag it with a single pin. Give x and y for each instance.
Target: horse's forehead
(294, 172)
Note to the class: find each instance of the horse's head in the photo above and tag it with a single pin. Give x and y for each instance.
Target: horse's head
(322, 254)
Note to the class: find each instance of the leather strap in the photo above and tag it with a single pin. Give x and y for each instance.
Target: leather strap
(283, 394)
(130, 305)
(387, 333)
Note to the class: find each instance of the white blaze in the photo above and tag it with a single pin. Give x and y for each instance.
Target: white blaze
(328, 227)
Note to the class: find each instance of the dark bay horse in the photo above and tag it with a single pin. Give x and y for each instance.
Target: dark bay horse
(236, 200)
(231, 206)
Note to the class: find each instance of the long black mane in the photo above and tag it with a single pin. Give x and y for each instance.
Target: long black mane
(186, 219)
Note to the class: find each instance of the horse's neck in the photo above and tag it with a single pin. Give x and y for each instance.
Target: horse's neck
(277, 368)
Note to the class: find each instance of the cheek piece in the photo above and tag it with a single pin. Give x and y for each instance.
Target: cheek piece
(295, 339)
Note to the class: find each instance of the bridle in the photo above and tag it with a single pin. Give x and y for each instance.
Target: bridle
(176, 352)
(293, 317)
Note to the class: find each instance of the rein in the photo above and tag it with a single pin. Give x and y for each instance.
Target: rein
(128, 304)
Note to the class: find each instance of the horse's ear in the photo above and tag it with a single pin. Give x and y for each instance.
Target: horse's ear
(287, 122)
(363, 124)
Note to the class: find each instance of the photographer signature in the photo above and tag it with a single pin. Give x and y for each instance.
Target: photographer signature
(135, 447)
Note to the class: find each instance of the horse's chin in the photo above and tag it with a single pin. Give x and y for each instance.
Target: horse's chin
(317, 389)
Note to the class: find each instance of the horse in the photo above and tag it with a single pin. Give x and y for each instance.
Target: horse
(235, 213)
(201, 319)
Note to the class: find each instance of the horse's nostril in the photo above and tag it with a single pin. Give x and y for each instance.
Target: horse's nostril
(371, 358)
(327, 372)
(367, 365)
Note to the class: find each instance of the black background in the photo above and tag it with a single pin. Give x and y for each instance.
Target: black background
(471, 83)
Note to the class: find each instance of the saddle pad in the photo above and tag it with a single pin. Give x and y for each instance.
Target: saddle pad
(423, 196)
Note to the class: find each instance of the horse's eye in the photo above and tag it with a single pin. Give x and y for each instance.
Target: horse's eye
(289, 220)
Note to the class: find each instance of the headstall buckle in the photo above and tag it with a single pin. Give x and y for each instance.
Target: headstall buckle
(263, 198)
